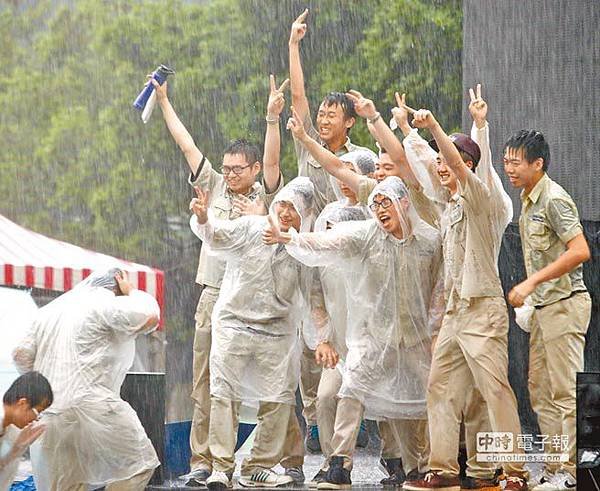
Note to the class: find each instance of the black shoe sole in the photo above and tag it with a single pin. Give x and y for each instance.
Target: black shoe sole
(217, 486)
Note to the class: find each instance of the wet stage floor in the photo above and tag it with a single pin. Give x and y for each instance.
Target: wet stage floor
(365, 475)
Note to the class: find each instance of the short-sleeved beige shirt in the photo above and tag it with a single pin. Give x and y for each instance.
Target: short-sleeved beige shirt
(549, 219)
(210, 268)
(309, 167)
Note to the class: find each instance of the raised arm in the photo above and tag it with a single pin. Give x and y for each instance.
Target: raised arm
(378, 128)
(400, 113)
(328, 160)
(421, 157)
(480, 134)
(299, 100)
(134, 312)
(336, 247)
(178, 131)
(271, 170)
(228, 238)
(424, 119)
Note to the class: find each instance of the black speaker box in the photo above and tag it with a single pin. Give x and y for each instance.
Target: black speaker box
(145, 392)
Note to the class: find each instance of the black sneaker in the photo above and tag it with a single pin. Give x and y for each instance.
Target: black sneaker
(395, 472)
(391, 466)
(337, 476)
(415, 474)
(479, 484)
(296, 473)
(196, 479)
(319, 477)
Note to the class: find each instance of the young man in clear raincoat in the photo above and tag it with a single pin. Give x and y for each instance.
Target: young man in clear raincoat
(391, 162)
(83, 343)
(394, 310)
(328, 297)
(232, 193)
(255, 354)
(472, 349)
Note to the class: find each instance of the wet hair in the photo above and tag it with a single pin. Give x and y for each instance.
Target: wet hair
(534, 146)
(306, 195)
(33, 387)
(467, 156)
(250, 151)
(342, 100)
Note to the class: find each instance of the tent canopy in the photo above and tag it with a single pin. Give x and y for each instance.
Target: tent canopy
(33, 260)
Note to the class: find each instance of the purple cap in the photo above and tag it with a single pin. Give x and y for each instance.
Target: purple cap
(464, 143)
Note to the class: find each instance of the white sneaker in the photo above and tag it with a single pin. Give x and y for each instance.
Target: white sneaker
(561, 481)
(265, 478)
(218, 480)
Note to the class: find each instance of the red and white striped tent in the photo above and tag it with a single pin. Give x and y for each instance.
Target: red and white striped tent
(33, 260)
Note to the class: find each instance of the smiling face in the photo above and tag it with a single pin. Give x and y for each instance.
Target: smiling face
(385, 167)
(239, 183)
(332, 123)
(287, 215)
(522, 173)
(445, 173)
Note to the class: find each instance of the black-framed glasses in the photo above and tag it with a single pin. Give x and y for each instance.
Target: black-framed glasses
(236, 169)
(384, 203)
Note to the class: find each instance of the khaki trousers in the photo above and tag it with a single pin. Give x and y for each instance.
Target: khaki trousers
(407, 439)
(135, 483)
(310, 376)
(471, 352)
(327, 402)
(556, 349)
(201, 458)
(348, 416)
(277, 440)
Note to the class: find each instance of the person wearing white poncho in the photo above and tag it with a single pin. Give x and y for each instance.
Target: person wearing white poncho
(83, 343)
(329, 294)
(361, 162)
(255, 354)
(395, 307)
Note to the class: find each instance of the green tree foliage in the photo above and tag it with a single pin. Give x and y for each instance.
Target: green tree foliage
(78, 164)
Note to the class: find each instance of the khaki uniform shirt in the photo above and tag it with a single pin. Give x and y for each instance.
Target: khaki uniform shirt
(549, 219)
(469, 244)
(210, 268)
(309, 167)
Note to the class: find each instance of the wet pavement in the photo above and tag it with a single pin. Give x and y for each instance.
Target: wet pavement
(366, 473)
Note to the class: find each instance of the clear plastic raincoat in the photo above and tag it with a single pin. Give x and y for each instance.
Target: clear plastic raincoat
(255, 345)
(315, 327)
(329, 283)
(84, 343)
(395, 301)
